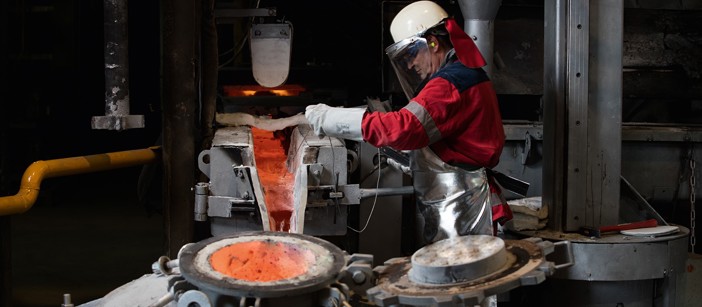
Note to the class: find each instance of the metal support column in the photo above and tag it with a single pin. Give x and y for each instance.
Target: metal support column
(179, 119)
(604, 114)
(583, 43)
(554, 121)
(117, 115)
(582, 112)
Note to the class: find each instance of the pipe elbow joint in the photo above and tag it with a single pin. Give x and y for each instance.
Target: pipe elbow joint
(18, 203)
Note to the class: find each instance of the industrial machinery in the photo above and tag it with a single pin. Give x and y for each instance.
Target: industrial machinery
(569, 155)
(288, 269)
(571, 88)
(259, 258)
(318, 167)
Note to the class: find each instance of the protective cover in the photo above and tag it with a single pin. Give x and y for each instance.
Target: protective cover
(453, 202)
(411, 61)
(270, 53)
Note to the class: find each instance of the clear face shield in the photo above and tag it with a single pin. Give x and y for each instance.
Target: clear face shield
(412, 63)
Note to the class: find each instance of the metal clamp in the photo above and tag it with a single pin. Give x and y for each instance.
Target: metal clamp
(358, 273)
(549, 247)
(569, 255)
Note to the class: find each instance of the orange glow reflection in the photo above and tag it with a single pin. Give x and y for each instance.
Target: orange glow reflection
(276, 181)
(257, 90)
(261, 261)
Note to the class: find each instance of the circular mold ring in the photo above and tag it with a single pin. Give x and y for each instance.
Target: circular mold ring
(394, 287)
(458, 259)
(261, 264)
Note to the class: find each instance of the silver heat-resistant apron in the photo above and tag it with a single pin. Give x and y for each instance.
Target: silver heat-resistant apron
(452, 201)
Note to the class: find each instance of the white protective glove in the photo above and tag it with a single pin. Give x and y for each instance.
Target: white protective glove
(400, 167)
(343, 123)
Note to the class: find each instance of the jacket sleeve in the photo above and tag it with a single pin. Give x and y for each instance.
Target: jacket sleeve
(414, 126)
(400, 130)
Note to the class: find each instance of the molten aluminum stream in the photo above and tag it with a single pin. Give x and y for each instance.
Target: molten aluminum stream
(262, 261)
(276, 181)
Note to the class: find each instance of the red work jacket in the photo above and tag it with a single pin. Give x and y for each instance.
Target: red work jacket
(456, 114)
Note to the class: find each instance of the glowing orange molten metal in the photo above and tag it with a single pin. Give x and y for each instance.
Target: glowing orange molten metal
(261, 261)
(276, 181)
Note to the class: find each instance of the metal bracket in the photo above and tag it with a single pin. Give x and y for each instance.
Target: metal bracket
(548, 247)
(222, 206)
(529, 153)
(315, 172)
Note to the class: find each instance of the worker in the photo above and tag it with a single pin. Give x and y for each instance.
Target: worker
(451, 126)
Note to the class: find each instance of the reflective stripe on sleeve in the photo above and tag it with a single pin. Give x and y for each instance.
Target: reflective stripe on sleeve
(425, 119)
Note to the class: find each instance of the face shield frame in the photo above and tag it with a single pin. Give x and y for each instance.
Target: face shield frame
(411, 60)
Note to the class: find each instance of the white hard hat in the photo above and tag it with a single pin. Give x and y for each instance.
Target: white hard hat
(416, 18)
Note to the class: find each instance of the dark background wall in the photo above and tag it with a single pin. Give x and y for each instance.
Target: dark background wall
(86, 234)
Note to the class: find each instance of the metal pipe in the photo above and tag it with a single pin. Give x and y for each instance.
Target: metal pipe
(67, 300)
(37, 171)
(201, 193)
(116, 58)
(479, 19)
(116, 49)
(406, 190)
(164, 300)
(180, 30)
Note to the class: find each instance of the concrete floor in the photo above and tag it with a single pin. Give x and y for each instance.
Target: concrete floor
(86, 236)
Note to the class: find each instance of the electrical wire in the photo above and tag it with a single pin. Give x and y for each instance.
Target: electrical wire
(304, 141)
(238, 51)
(241, 44)
(375, 201)
(377, 184)
(375, 168)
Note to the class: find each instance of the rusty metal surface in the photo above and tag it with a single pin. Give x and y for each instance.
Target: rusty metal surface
(395, 287)
(194, 265)
(116, 54)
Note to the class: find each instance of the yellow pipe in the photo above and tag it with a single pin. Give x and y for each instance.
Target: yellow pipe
(37, 171)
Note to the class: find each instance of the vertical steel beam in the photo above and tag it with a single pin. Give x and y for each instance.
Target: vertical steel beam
(582, 112)
(554, 116)
(605, 112)
(577, 142)
(179, 119)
